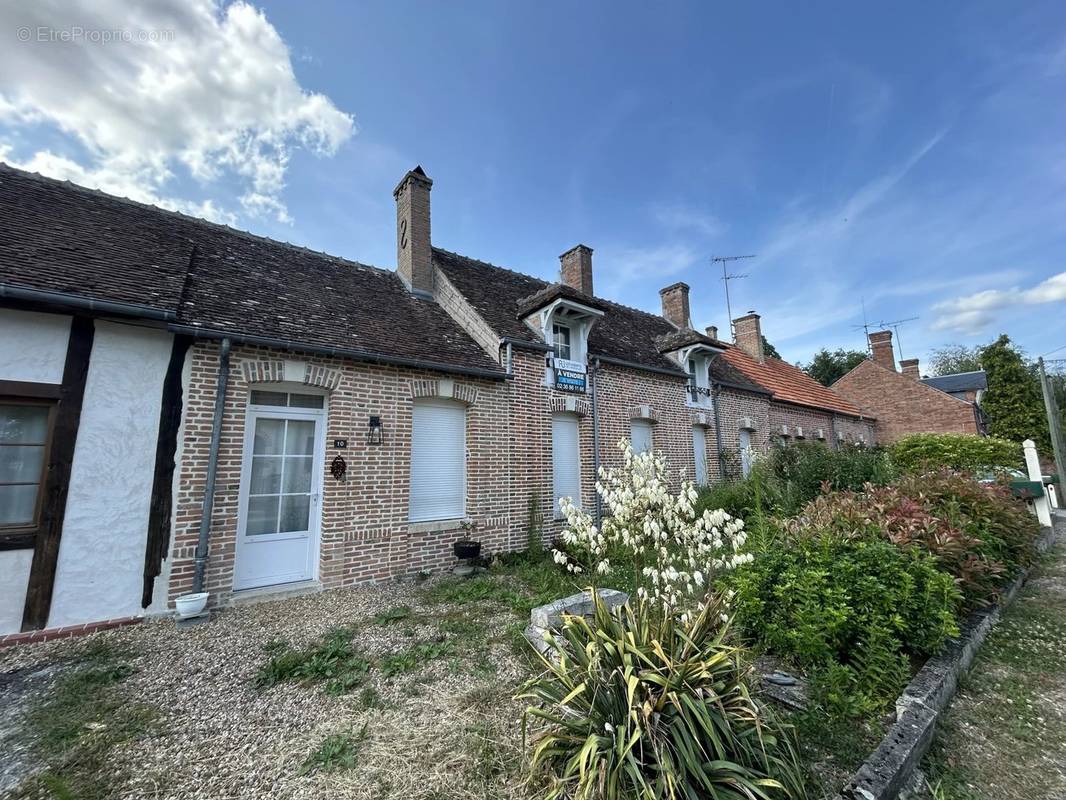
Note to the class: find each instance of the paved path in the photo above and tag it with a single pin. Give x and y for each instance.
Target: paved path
(1004, 736)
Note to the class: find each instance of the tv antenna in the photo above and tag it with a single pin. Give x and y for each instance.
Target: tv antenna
(727, 277)
(894, 325)
(865, 327)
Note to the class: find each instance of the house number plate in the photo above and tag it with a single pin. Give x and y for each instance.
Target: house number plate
(340, 444)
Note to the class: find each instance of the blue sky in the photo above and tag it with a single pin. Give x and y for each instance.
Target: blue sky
(911, 155)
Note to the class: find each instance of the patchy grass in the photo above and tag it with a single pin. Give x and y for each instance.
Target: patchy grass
(336, 752)
(413, 657)
(1004, 735)
(391, 615)
(333, 661)
(83, 717)
(832, 748)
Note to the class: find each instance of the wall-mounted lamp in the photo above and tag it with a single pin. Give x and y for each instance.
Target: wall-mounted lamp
(375, 434)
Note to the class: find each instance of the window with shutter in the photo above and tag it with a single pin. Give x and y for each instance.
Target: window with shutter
(640, 435)
(699, 450)
(566, 460)
(438, 461)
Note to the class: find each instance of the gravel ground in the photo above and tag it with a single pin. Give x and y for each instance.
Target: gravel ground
(446, 729)
(1004, 736)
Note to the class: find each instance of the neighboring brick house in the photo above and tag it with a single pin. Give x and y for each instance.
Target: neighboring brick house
(799, 408)
(902, 402)
(315, 422)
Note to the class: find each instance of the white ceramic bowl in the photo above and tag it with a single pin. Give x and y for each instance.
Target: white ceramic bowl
(189, 605)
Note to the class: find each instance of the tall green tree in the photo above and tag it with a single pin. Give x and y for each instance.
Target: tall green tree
(769, 350)
(954, 358)
(1013, 402)
(827, 367)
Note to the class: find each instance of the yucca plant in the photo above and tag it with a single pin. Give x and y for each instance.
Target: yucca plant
(635, 705)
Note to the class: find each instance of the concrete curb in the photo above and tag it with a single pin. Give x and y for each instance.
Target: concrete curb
(890, 767)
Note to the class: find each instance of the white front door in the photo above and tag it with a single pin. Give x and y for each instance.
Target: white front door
(280, 499)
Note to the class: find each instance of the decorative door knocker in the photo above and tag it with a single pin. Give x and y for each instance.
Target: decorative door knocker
(338, 468)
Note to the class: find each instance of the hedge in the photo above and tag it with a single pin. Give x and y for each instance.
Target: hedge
(956, 451)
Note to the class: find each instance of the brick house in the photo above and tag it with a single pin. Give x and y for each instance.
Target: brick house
(306, 421)
(903, 402)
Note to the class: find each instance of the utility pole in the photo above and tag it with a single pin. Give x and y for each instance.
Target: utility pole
(726, 278)
(1054, 422)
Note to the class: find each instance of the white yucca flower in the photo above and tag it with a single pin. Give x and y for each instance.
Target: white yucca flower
(675, 551)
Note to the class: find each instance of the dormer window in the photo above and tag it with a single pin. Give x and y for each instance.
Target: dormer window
(561, 338)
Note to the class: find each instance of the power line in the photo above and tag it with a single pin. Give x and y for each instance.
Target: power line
(726, 278)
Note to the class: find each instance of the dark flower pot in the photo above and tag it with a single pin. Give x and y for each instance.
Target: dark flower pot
(466, 549)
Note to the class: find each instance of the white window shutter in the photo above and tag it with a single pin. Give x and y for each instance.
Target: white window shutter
(640, 435)
(566, 459)
(438, 461)
(699, 449)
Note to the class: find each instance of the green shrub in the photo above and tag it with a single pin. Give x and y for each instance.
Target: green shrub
(638, 706)
(956, 451)
(986, 511)
(785, 478)
(848, 611)
(977, 532)
(805, 469)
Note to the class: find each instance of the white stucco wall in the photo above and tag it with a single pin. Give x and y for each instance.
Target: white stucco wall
(101, 555)
(33, 347)
(14, 574)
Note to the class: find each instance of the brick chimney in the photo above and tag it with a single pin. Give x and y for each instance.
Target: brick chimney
(414, 253)
(712, 331)
(747, 335)
(909, 367)
(675, 305)
(881, 347)
(576, 268)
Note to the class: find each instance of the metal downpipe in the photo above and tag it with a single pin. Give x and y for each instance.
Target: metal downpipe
(596, 441)
(212, 468)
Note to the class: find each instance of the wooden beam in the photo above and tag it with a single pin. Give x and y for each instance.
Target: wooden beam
(60, 460)
(158, 540)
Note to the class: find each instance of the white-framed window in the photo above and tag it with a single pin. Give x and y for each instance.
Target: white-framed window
(699, 452)
(640, 435)
(561, 338)
(566, 460)
(438, 461)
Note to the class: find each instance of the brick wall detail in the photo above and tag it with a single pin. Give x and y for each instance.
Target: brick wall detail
(903, 405)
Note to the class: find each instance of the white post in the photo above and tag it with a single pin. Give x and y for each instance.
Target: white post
(1032, 465)
(1054, 495)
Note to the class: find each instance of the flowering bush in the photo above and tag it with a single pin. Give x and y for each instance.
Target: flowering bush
(672, 550)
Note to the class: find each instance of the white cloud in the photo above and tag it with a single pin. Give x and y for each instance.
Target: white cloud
(620, 266)
(189, 85)
(679, 218)
(975, 311)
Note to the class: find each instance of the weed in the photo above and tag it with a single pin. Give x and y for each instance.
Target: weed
(333, 661)
(407, 660)
(395, 614)
(370, 698)
(336, 752)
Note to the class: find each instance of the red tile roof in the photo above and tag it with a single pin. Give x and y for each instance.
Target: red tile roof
(788, 383)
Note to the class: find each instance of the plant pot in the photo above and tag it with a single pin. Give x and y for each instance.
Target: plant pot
(466, 549)
(190, 605)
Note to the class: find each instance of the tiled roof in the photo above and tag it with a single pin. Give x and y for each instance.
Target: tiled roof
(60, 237)
(959, 382)
(788, 383)
(623, 334)
(677, 339)
(556, 291)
